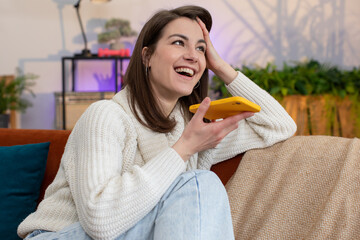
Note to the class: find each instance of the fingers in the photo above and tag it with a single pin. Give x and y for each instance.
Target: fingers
(242, 116)
(203, 27)
(199, 136)
(204, 106)
(205, 32)
(213, 59)
(231, 123)
(237, 118)
(216, 131)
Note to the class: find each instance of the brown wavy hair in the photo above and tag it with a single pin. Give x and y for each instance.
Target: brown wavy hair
(137, 82)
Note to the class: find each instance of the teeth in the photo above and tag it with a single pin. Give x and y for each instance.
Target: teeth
(187, 71)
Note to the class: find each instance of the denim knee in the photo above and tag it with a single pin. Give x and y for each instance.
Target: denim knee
(206, 177)
(196, 183)
(208, 181)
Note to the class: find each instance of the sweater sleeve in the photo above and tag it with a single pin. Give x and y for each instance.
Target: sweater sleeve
(267, 127)
(108, 200)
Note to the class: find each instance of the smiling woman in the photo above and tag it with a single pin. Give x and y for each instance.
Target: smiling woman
(165, 29)
(137, 166)
(177, 63)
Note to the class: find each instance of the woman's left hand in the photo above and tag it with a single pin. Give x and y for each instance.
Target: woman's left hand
(213, 60)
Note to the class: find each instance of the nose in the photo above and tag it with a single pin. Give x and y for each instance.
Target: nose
(191, 55)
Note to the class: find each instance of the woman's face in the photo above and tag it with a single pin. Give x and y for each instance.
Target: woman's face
(178, 61)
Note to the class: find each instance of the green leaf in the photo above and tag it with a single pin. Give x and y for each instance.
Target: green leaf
(350, 88)
(275, 90)
(284, 91)
(342, 93)
(300, 87)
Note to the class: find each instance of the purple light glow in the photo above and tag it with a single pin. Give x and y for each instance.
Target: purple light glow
(97, 75)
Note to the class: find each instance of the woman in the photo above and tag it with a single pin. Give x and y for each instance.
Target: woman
(131, 167)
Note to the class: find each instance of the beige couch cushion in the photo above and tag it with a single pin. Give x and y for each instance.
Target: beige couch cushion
(307, 187)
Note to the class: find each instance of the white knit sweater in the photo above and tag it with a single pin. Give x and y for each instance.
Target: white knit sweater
(114, 170)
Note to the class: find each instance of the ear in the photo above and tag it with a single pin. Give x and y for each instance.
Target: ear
(145, 55)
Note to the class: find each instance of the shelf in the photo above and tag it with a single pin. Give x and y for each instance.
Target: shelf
(73, 59)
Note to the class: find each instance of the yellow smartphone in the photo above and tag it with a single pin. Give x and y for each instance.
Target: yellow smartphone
(223, 108)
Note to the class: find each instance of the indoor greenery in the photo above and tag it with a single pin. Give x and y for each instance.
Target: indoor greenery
(310, 81)
(11, 92)
(115, 29)
(299, 78)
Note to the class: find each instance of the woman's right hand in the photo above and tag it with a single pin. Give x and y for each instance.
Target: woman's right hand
(199, 136)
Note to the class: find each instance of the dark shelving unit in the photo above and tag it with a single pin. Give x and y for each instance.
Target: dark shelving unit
(73, 59)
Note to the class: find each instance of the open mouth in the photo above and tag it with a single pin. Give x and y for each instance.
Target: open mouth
(185, 72)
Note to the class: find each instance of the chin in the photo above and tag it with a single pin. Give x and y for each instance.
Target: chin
(183, 90)
(186, 92)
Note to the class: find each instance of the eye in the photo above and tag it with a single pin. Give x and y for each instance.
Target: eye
(178, 42)
(201, 49)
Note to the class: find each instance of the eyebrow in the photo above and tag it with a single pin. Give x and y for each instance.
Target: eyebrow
(185, 37)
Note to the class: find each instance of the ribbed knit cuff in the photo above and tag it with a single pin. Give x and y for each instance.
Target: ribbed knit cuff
(166, 168)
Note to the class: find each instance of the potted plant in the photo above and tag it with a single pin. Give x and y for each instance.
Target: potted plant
(11, 90)
(118, 31)
(322, 99)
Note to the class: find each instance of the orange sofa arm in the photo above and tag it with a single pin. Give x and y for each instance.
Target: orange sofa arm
(227, 168)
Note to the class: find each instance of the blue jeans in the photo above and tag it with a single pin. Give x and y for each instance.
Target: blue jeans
(194, 207)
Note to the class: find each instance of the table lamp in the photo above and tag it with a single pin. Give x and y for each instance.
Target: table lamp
(85, 52)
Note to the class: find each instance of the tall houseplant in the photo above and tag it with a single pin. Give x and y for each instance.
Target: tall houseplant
(11, 90)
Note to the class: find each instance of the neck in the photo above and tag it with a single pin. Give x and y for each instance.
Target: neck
(166, 106)
(166, 101)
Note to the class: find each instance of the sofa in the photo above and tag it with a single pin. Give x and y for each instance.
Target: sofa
(47, 169)
(306, 187)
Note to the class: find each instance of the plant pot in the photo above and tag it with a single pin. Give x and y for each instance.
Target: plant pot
(4, 120)
(117, 45)
(324, 115)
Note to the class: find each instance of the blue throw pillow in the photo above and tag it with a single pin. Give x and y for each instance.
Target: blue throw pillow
(22, 169)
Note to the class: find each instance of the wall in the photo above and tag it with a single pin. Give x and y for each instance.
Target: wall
(36, 34)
